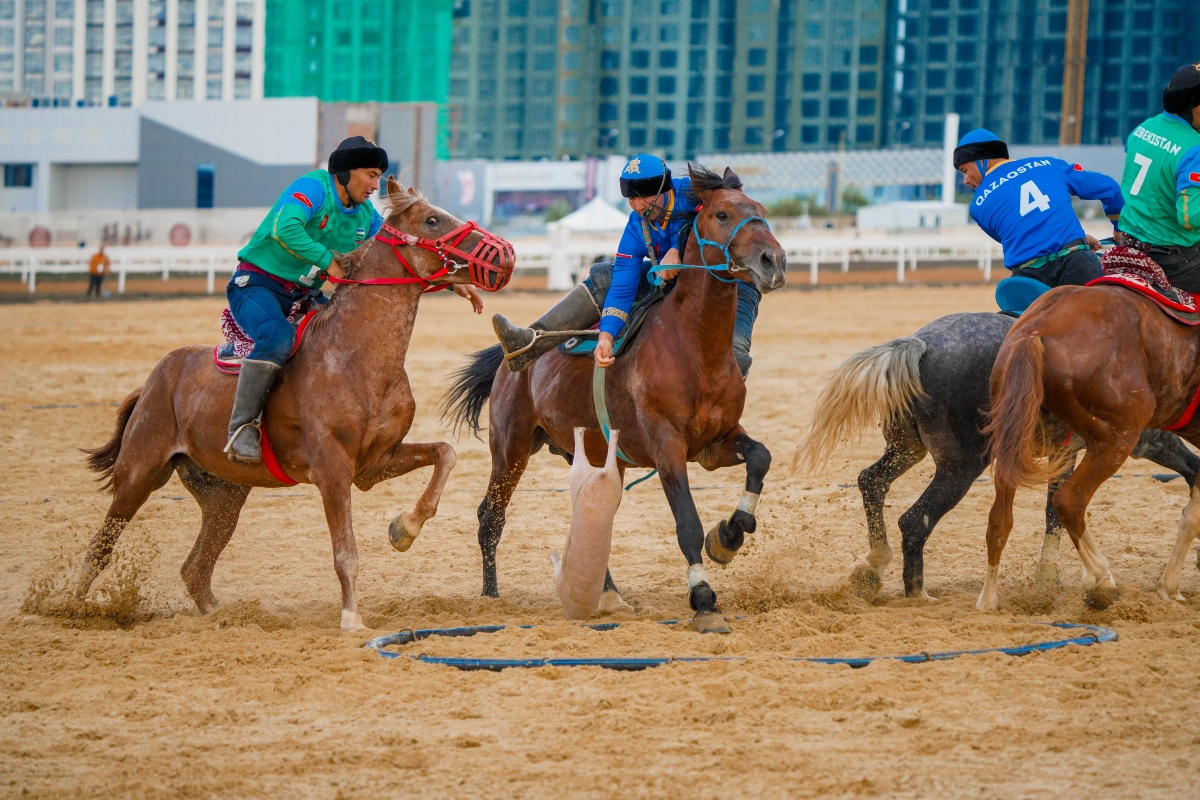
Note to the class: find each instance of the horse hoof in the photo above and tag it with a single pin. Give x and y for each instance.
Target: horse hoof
(1100, 597)
(611, 603)
(717, 552)
(400, 535)
(865, 582)
(1048, 573)
(710, 622)
(352, 622)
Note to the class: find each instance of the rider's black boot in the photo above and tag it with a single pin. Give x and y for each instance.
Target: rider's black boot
(254, 382)
(571, 316)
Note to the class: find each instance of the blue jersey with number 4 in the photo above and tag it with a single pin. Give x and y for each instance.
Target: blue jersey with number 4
(1025, 205)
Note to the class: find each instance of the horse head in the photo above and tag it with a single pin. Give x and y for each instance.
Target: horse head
(446, 249)
(732, 226)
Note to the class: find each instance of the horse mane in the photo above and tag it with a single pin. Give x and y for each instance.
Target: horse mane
(705, 180)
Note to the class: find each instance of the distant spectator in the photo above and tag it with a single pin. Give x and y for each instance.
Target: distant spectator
(96, 272)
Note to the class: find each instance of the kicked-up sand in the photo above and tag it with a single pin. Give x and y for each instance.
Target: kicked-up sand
(134, 694)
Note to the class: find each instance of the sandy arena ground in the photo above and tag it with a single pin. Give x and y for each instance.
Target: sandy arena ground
(144, 698)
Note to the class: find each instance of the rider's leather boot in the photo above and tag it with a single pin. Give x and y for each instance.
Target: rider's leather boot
(572, 315)
(254, 382)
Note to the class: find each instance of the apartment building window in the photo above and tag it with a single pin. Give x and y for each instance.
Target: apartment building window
(723, 85)
(756, 83)
(666, 111)
(839, 81)
(697, 60)
(667, 59)
(757, 57)
(608, 87)
(695, 139)
(867, 81)
(608, 112)
(937, 52)
(18, 176)
(939, 26)
(935, 79)
(696, 86)
(864, 134)
(812, 82)
(721, 139)
(965, 52)
(609, 59)
(836, 133)
(722, 112)
(868, 54)
(543, 62)
(964, 78)
(639, 59)
(639, 84)
(810, 134)
(638, 112)
(965, 104)
(865, 106)
(839, 107)
(935, 104)
(754, 135)
(637, 137)
(810, 109)
(969, 24)
(695, 113)
(666, 84)
(699, 33)
(664, 137)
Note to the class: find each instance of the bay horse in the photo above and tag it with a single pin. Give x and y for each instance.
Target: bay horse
(675, 394)
(337, 415)
(930, 393)
(1107, 363)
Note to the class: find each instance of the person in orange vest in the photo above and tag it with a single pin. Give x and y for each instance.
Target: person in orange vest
(97, 269)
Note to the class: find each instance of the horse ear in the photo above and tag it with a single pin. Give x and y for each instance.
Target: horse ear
(412, 191)
(731, 179)
(393, 186)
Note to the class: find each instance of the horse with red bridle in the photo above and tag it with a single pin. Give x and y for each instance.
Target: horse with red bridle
(1106, 362)
(337, 416)
(675, 393)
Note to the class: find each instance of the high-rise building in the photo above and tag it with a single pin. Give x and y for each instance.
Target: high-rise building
(358, 50)
(999, 64)
(124, 52)
(553, 78)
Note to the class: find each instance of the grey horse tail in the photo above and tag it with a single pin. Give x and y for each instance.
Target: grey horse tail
(875, 386)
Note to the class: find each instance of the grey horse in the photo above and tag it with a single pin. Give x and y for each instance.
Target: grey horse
(930, 391)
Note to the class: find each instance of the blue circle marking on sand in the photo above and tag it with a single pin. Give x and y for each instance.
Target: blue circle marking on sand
(1088, 635)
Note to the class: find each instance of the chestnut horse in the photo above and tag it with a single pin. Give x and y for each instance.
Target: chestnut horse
(1107, 363)
(675, 394)
(337, 415)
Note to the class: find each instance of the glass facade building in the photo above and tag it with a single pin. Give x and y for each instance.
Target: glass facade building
(999, 63)
(125, 52)
(358, 50)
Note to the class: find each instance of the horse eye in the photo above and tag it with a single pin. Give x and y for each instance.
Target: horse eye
(431, 221)
(721, 215)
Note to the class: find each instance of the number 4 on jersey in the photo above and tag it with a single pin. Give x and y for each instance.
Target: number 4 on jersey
(1032, 198)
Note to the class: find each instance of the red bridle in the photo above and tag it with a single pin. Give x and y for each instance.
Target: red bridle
(484, 273)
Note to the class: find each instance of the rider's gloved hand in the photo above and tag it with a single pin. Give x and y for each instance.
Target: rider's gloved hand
(603, 352)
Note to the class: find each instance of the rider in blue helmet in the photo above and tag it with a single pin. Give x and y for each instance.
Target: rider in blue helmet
(1025, 204)
(662, 208)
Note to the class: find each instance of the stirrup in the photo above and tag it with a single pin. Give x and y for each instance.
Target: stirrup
(254, 423)
(537, 334)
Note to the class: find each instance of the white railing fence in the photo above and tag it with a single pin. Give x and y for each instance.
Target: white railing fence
(565, 261)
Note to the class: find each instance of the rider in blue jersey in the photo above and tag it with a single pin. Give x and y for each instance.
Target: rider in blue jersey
(662, 208)
(1025, 204)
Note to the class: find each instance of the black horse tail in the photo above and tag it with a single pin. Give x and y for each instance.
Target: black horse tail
(472, 385)
(104, 459)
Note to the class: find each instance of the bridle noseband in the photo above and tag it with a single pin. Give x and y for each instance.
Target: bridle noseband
(486, 275)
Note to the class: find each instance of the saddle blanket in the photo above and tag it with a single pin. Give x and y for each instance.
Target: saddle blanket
(1133, 269)
(238, 344)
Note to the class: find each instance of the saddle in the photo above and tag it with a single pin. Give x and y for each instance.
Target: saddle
(228, 357)
(580, 346)
(1133, 269)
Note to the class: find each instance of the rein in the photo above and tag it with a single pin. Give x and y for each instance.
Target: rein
(485, 274)
(729, 265)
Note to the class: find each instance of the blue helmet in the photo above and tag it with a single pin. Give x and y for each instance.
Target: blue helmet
(645, 176)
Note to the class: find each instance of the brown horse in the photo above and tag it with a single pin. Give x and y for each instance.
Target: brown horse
(1107, 363)
(675, 394)
(337, 415)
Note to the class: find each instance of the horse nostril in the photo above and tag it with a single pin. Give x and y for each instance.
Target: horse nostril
(768, 259)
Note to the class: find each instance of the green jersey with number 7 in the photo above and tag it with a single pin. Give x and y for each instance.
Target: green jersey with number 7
(1161, 183)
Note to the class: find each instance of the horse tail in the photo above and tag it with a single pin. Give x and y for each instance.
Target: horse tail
(470, 388)
(104, 459)
(877, 385)
(1014, 422)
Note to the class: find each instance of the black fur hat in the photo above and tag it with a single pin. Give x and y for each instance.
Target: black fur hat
(1183, 91)
(357, 152)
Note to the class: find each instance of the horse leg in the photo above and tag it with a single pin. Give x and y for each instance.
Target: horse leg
(1189, 526)
(220, 506)
(1103, 458)
(610, 599)
(405, 528)
(902, 452)
(1168, 450)
(951, 481)
(333, 481)
(728, 536)
(132, 485)
(1000, 522)
(509, 459)
(671, 462)
(1047, 569)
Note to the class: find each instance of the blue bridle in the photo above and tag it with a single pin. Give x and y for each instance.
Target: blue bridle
(728, 265)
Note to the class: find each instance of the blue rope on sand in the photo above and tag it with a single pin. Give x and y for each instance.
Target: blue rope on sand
(1096, 634)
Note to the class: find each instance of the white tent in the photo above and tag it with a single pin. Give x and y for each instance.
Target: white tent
(595, 216)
